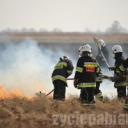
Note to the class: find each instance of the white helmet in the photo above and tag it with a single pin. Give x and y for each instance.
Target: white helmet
(65, 58)
(85, 48)
(117, 49)
(102, 42)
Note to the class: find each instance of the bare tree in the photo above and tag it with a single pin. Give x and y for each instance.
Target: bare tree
(116, 27)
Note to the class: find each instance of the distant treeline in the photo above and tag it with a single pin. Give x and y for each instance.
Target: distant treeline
(62, 37)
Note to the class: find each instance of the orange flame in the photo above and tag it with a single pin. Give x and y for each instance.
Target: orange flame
(4, 94)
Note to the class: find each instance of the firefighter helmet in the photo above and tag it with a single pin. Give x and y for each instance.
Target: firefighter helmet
(117, 49)
(85, 48)
(102, 42)
(65, 58)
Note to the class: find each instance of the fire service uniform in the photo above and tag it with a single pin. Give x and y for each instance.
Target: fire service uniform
(85, 75)
(119, 72)
(62, 70)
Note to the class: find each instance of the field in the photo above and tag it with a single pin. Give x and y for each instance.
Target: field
(17, 111)
(39, 111)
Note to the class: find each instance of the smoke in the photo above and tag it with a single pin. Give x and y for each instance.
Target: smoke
(107, 86)
(26, 66)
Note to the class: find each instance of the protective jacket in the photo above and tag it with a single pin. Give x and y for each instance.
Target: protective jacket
(120, 73)
(86, 70)
(62, 70)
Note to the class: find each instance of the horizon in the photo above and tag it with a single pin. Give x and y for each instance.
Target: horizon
(115, 27)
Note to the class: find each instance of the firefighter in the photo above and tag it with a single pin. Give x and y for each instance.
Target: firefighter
(124, 66)
(119, 72)
(97, 92)
(62, 70)
(85, 75)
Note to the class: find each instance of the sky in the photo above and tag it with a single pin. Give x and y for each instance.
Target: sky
(67, 15)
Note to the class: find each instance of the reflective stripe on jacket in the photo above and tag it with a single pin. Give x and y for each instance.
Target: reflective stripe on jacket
(60, 65)
(62, 70)
(86, 70)
(59, 77)
(86, 85)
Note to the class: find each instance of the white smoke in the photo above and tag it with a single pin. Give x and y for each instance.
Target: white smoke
(107, 86)
(26, 67)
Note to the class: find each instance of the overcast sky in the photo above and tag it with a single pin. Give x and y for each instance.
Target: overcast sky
(68, 15)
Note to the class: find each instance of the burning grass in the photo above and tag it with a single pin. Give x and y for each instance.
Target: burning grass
(17, 111)
(4, 94)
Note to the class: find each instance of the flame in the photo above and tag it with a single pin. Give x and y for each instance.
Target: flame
(15, 93)
(4, 94)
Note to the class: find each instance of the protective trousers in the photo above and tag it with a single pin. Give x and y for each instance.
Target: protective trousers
(87, 95)
(59, 90)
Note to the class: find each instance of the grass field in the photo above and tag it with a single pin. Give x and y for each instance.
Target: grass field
(17, 111)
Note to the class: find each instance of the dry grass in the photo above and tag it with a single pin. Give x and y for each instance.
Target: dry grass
(38, 112)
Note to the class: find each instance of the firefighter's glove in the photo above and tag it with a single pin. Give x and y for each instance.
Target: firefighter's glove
(75, 83)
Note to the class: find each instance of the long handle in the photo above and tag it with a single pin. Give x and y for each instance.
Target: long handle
(97, 42)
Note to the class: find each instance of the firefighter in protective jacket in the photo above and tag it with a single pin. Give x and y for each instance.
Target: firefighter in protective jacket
(62, 70)
(120, 73)
(124, 66)
(97, 92)
(85, 75)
